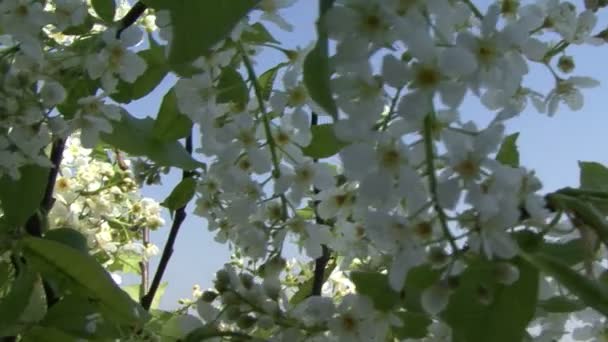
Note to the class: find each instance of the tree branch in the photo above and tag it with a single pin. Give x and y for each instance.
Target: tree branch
(131, 17)
(180, 216)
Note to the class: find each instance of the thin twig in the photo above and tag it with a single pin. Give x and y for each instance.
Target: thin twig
(180, 216)
(131, 17)
(428, 142)
(144, 265)
(321, 262)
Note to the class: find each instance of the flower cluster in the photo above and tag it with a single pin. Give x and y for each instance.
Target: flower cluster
(100, 200)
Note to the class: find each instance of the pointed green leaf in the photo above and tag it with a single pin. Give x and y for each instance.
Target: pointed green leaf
(181, 195)
(71, 313)
(21, 198)
(324, 143)
(506, 316)
(305, 288)
(48, 334)
(134, 293)
(232, 88)
(266, 80)
(155, 72)
(135, 136)
(375, 285)
(257, 33)
(587, 290)
(14, 304)
(593, 176)
(317, 76)
(170, 123)
(561, 304)
(508, 153)
(105, 9)
(208, 21)
(415, 325)
(69, 237)
(84, 274)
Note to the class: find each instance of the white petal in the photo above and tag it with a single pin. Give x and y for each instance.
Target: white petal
(394, 71)
(457, 62)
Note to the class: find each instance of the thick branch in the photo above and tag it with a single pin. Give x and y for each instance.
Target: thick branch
(131, 17)
(180, 216)
(34, 225)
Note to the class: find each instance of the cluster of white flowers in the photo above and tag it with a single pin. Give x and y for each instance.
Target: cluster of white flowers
(33, 78)
(413, 180)
(412, 183)
(101, 201)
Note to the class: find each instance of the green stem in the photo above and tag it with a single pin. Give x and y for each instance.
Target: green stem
(430, 160)
(474, 9)
(260, 98)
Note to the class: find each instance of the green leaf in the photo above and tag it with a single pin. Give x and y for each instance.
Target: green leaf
(561, 304)
(208, 21)
(21, 198)
(584, 211)
(70, 316)
(85, 274)
(505, 318)
(134, 293)
(266, 80)
(38, 333)
(317, 76)
(593, 176)
(258, 34)
(375, 285)
(135, 136)
(232, 88)
(105, 9)
(569, 253)
(81, 29)
(324, 143)
(81, 87)
(155, 72)
(417, 280)
(317, 72)
(508, 153)
(181, 194)
(305, 289)
(16, 302)
(587, 290)
(414, 325)
(68, 237)
(170, 123)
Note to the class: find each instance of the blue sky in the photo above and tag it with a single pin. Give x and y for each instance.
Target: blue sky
(551, 146)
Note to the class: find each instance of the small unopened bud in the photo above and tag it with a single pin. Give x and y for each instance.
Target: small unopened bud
(566, 64)
(246, 280)
(222, 281)
(209, 296)
(246, 321)
(230, 298)
(233, 312)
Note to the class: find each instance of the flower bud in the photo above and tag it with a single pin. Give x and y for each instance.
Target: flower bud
(246, 280)
(222, 281)
(246, 321)
(233, 312)
(230, 298)
(209, 296)
(566, 64)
